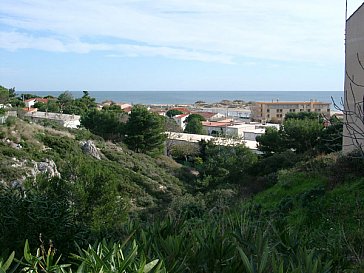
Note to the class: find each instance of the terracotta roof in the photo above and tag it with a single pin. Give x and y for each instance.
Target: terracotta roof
(41, 100)
(28, 100)
(206, 115)
(182, 109)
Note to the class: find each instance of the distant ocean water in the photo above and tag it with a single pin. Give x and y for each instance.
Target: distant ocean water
(189, 97)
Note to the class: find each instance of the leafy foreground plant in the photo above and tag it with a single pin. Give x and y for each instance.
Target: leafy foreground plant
(101, 258)
(42, 261)
(112, 257)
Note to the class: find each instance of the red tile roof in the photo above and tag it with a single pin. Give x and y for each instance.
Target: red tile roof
(41, 100)
(182, 109)
(206, 115)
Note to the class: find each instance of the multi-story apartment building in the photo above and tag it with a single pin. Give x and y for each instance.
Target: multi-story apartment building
(353, 136)
(276, 111)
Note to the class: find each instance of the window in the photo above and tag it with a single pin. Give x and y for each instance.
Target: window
(268, 116)
(301, 110)
(308, 110)
(267, 110)
(292, 110)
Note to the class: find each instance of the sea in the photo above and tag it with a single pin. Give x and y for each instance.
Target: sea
(190, 97)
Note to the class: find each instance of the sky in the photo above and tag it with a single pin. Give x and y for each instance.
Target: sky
(127, 45)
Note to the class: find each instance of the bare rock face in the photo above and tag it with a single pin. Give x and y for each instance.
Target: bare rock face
(48, 167)
(89, 148)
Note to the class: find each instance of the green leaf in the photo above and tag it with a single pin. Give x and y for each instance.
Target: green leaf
(27, 254)
(149, 266)
(247, 264)
(8, 262)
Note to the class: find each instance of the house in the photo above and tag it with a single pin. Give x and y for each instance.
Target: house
(216, 128)
(353, 135)
(248, 131)
(181, 120)
(276, 110)
(209, 116)
(30, 102)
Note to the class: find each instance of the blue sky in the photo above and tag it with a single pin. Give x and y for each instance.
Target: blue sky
(173, 44)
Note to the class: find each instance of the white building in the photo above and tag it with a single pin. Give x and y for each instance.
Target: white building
(353, 137)
(180, 120)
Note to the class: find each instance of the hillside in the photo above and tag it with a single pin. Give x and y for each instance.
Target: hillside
(284, 213)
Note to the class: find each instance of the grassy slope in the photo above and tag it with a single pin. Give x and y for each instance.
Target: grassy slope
(326, 218)
(145, 181)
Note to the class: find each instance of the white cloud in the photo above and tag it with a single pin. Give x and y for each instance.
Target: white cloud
(203, 30)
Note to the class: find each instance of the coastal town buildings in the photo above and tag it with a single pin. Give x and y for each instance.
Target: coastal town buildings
(275, 111)
(29, 103)
(353, 137)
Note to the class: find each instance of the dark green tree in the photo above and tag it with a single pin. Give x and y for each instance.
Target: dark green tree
(302, 135)
(144, 131)
(225, 164)
(194, 126)
(302, 115)
(271, 142)
(105, 123)
(195, 116)
(173, 112)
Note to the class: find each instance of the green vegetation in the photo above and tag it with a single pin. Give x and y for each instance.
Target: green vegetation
(302, 133)
(121, 206)
(194, 125)
(144, 131)
(173, 112)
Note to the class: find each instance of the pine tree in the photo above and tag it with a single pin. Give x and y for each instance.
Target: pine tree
(144, 131)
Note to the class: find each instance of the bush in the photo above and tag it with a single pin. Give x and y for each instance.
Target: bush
(346, 168)
(10, 121)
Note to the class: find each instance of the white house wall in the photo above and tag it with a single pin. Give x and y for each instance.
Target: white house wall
(354, 79)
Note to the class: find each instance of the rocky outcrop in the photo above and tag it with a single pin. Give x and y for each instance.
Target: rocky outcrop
(47, 167)
(89, 148)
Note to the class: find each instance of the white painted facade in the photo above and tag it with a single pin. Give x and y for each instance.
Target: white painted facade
(354, 82)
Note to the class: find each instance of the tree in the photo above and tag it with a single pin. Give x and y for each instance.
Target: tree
(195, 116)
(271, 142)
(302, 115)
(184, 150)
(4, 95)
(105, 123)
(65, 100)
(173, 112)
(331, 137)
(302, 135)
(144, 131)
(194, 126)
(224, 164)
